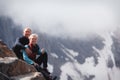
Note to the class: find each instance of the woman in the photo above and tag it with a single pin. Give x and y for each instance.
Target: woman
(31, 58)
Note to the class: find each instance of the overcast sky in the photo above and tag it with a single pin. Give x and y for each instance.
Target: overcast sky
(73, 18)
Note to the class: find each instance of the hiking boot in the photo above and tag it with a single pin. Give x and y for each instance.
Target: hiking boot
(45, 69)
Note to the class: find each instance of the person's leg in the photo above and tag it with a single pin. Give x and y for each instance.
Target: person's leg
(43, 58)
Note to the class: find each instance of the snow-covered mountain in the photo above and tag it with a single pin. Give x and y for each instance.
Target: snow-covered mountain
(97, 58)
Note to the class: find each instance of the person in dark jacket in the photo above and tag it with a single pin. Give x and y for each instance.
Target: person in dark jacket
(31, 58)
(21, 42)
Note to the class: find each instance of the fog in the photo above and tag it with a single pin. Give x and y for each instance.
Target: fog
(66, 18)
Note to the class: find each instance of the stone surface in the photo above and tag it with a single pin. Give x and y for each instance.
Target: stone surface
(4, 77)
(30, 76)
(12, 68)
(5, 51)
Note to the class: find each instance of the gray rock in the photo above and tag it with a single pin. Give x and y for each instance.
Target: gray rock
(12, 68)
(4, 77)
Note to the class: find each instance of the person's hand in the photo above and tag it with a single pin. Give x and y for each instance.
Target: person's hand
(42, 50)
(28, 51)
(35, 64)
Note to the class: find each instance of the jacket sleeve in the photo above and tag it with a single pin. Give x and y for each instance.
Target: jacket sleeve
(26, 58)
(18, 44)
(39, 52)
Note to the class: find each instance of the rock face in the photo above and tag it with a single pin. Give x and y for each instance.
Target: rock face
(12, 67)
(4, 77)
(30, 76)
(5, 51)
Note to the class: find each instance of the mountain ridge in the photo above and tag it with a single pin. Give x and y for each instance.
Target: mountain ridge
(61, 51)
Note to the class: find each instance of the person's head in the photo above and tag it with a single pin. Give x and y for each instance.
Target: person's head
(27, 32)
(33, 39)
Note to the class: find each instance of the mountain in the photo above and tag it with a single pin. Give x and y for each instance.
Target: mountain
(96, 58)
(9, 31)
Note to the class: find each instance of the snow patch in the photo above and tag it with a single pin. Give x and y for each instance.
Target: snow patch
(77, 71)
(70, 53)
(68, 69)
(54, 55)
(50, 68)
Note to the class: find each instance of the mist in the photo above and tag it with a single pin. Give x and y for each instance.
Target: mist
(67, 18)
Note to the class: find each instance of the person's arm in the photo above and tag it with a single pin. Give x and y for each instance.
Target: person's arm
(42, 51)
(18, 44)
(26, 58)
(39, 52)
(27, 49)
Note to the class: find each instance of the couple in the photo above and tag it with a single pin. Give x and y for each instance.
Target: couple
(26, 48)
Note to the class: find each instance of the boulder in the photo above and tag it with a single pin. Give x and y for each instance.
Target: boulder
(5, 51)
(12, 68)
(4, 77)
(30, 76)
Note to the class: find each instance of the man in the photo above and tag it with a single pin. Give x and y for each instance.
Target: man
(31, 58)
(21, 42)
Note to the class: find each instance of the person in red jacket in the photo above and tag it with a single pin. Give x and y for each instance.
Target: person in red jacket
(31, 58)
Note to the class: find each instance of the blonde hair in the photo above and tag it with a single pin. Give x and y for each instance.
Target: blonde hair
(33, 35)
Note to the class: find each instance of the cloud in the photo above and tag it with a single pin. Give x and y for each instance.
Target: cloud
(64, 18)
